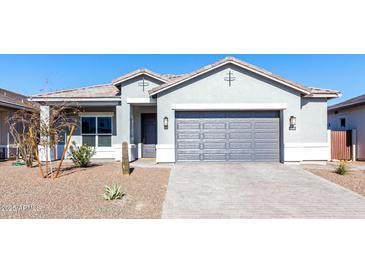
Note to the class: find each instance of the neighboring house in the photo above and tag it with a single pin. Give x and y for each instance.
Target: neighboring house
(226, 111)
(9, 103)
(350, 115)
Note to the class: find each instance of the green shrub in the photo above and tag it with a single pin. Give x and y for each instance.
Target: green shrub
(341, 169)
(112, 192)
(81, 155)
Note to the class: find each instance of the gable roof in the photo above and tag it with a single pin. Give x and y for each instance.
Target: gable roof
(171, 80)
(247, 66)
(356, 101)
(14, 100)
(139, 72)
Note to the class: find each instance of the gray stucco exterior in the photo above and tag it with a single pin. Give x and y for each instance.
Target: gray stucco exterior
(205, 90)
(248, 88)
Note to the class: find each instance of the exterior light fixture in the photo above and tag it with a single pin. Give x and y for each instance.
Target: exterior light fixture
(165, 123)
(292, 123)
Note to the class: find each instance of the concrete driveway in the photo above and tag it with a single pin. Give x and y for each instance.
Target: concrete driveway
(256, 191)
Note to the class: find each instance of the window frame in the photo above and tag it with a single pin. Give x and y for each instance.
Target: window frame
(343, 118)
(96, 134)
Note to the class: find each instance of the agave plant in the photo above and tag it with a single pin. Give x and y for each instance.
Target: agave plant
(112, 192)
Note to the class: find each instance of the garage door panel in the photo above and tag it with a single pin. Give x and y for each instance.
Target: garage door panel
(215, 151)
(188, 145)
(214, 157)
(266, 125)
(270, 157)
(241, 145)
(188, 126)
(214, 125)
(209, 145)
(188, 135)
(227, 136)
(268, 145)
(240, 135)
(188, 157)
(214, 135)
(240, 125)
(265, 135)
(241, 157)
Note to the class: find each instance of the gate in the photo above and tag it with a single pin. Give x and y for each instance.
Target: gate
(341, 145)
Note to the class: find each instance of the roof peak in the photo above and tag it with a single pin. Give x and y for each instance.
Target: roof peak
(138, 72)
(245, 65)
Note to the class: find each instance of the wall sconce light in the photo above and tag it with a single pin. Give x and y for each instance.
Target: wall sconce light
(292, 123)
(165, 123)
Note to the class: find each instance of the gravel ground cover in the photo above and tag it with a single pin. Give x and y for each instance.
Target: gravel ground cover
(353, 180)
(77, 193)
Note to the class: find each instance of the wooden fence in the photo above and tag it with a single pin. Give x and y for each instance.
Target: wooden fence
(341, 145)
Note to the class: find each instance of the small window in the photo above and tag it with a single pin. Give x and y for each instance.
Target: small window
(104, 125)
(343, 122)
(88, 125)
(96, 131)
(104, 140)
(89, 140)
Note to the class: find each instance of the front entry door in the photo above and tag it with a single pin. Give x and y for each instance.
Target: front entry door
(149, 135)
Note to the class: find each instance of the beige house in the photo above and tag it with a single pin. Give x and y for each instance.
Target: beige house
(9, 103)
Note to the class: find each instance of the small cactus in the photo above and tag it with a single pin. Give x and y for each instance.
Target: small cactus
(125, 159)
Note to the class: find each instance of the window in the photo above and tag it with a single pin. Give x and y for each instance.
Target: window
(343, 122)
(96, 131)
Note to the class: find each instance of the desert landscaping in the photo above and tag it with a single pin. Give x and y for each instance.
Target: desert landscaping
(78, 192)
(354, 179)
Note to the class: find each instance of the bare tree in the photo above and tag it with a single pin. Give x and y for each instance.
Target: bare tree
(19, 123)
(44, 132)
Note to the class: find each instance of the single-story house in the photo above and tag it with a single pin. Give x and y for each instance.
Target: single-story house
(227, 111)
(350, 115)
(9, 103)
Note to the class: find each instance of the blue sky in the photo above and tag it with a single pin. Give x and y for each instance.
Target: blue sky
(27, 74)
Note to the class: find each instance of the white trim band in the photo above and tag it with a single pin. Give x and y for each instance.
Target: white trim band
(298, 152)
(165, 153)
(141, 101)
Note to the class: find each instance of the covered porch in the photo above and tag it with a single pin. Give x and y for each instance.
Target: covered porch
(105, 125)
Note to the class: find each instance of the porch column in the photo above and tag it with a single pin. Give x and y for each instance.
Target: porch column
(124, 127)
(44, 121)
(126, 122)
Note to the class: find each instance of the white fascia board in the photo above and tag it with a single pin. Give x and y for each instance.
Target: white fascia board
(228, 106)
(239, 65)
(74, 99)
(323, 95)
(139, 74)
(141, 101)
